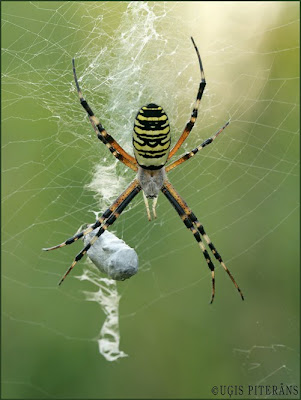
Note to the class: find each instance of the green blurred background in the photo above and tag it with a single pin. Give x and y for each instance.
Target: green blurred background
(245, 189)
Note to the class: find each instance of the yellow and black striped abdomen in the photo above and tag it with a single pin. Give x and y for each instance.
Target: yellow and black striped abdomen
(151, 137)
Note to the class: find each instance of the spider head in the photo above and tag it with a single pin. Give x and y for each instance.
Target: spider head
(151, 137)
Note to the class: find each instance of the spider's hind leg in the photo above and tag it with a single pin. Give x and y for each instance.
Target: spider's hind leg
(101, 133)
(194, 115)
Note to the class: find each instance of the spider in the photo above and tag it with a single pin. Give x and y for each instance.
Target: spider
(151, 143)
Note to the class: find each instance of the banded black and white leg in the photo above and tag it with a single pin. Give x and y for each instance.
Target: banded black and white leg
(194, 115)
(193, 152)
(107, 219)
(177, 199)
(216, 254)
(101, 133)
(102, 229)
(189, 224)
(115, 153)
(127, 192)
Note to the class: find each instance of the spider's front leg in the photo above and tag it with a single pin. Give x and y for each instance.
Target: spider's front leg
(110, 216)
(102, 229)
(100, 220)
(191, 222)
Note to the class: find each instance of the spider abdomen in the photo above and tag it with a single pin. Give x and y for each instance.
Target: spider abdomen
(151, 137)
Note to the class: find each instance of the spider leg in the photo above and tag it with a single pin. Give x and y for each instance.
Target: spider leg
(189, 224)
(115, 214)
(201, 229)
(178, 199)
(194, 115)
(102, 134)
(190, 154)
(101, 219)
(115, 153)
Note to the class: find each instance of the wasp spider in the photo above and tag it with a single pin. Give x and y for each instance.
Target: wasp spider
(151, 142)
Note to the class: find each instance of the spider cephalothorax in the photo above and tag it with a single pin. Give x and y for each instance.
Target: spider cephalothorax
(151, 142)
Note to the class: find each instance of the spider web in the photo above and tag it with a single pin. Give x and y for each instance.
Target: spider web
(244, 189)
